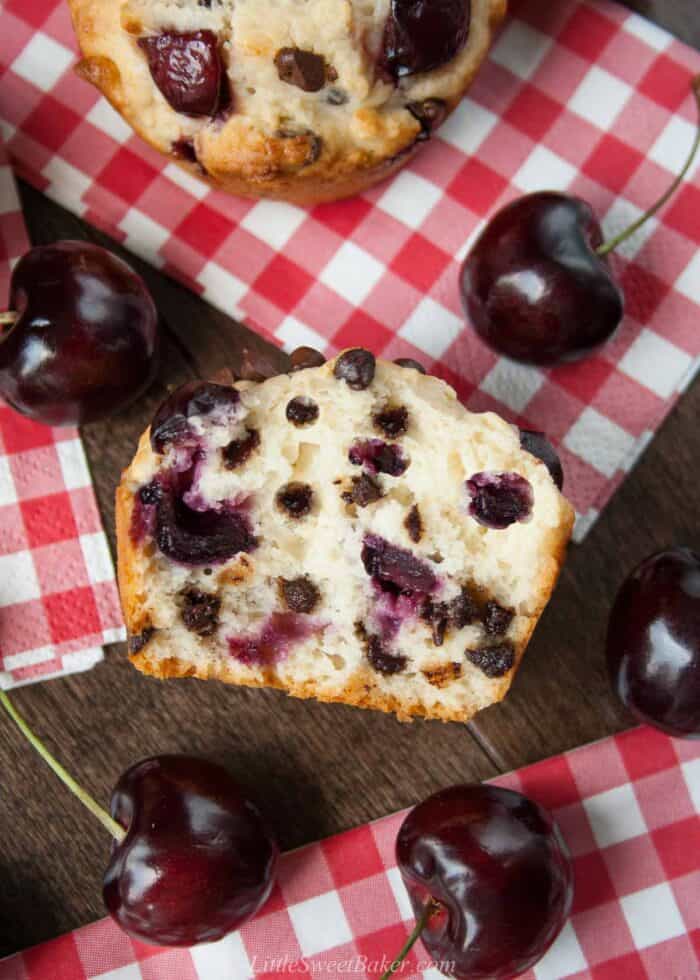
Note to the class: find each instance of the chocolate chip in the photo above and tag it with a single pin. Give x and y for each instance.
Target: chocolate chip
(137, 641)
(429, 113)
(493, 661)
(300, 594)
(381, 659)
(356, 368)
(306, 357)
(414, 524)
(184, 149)
(393, 422)
(378, 457)
(463, 609)
(302, 68)
(437, 616)
(365, 490)
(408, 362)
(442, 675)
(200, 612)
(239, 450)
(496, 619)
(295, 498)
(302, 411)
(336, 96)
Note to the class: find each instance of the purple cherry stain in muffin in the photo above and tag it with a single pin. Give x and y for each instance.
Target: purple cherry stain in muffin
(396, 569)
(500, 499)
(378, 456)
(171, 424)
(273, 641)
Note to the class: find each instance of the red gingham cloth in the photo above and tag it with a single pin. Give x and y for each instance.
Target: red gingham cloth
(575, 95)
(629, 808)
(58, 597)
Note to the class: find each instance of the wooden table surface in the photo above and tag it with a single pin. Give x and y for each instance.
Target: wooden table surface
(317, 769)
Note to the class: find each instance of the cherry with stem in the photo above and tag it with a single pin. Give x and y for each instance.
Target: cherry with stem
(430, 908)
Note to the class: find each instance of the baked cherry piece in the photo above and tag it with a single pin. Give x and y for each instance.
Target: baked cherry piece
(500, 499)
(187, 69)
(80, 341)
(192, 858)
(653, 643)
(536, 286)
(489, 878)
(171, 426)
(420, 35)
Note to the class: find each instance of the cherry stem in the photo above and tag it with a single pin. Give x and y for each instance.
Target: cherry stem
(428, 909)
(607, 247)
(115, 829)
(8, 318)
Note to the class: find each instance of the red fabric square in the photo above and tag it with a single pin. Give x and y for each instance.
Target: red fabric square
(628, 967)
(19, 433)
(13, 536)
(58, 959)
(24, 626)
(603, 933)
(678, 846)
(666, 82)
(550, 783)
(127, 175)
(34, 12)
(533, 112)
(342, 216)
(420, 262)
(682, 213)
(204, 229)
(353, 856)
(175, 963)
(633, 865)
(51, 123)
(643, 290)
(72, 614)
(583, 379)
(477, 186)
(593, 885)
(587, 33)
(645, 751)
(48, 519)
(284, 283)
(612, 163)
(382, 946)
(361, 330)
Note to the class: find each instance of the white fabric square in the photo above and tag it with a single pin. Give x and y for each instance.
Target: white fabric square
(74, 468)
(144, 236)
(688, 282)
(273, 221)
(513, 384)
(620, 216)
(583, 524)
(673, 145)
(67, 184)
(520, 49)
(602, 443)
(409, 198)
(647, 32)
(42, 61)
(131, 971)
(652, 915)
(600, 97)
(352, 273)
(183, 178)
(320, 923)
(104, 117)
(431, 328)
(468, 126)
(400, 894)
(18, 581)
(28, 658)
(614, 816)
(224, 960)
(8, 493)
(691, 774)
(293, 333)
(563, 958)
(98, 560)
(544, 171)
(221, 288)
(655, 363)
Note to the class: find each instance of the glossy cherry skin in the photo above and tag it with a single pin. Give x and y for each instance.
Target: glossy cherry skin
(532, 285)
(197, 860)
(421, 35)
(85, 342)
(653, 643)
(187, 69)
(501, 876)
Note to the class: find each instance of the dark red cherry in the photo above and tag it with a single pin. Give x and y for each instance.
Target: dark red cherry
(539, 445)
(653, 644)
(170, 425)
(197, 860)
(494, 865)
(188, 70)
(533, 286)
(420, 35)
(84, 339)
(396, 569)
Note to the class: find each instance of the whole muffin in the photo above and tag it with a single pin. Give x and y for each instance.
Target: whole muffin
(303, 100)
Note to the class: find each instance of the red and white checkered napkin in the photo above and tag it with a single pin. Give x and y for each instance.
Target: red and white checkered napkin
(58, 597)
(577, 95)
(629, 808)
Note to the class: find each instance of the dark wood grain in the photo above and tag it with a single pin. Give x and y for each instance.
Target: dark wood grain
(317, 769)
